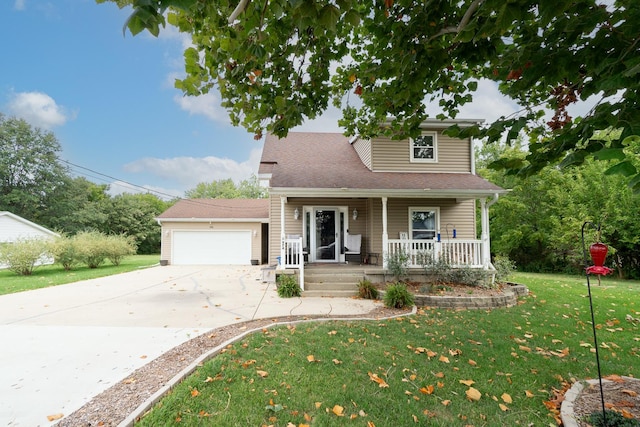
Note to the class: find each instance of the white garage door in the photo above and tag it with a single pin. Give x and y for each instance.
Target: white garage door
(211, 247)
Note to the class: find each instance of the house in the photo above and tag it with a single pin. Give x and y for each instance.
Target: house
(417, 195)
(215, 231)
(14, 227)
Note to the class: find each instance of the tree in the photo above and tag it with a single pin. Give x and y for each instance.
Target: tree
(29, 168)
(271, 62)
(134, 215)
(538, 223)
(227, 189)
(77, 205)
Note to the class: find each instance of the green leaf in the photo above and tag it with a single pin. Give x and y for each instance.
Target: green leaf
(329, 16)
(610, 154)
(623, 168)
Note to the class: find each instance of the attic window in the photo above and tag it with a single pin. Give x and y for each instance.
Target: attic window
(424, 148)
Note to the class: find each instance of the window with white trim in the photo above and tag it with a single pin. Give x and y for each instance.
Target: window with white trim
(424, 147)
(423, 222)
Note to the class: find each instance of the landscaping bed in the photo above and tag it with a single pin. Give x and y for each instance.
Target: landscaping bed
(460, 296)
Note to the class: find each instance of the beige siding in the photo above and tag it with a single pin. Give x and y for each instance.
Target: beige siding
(293, 226)
(363, 148)
(461, 215)
(453, 154)
(369, 222)
(254, 227)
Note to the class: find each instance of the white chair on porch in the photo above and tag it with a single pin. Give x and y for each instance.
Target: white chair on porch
(352, 246)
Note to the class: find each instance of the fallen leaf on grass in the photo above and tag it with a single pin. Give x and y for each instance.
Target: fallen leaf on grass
(506, 398)
(444, 359)
(473, 394)
(503, 407)
(262, 374)
(446, 402)
(195, 392)
(528, 393)
(377, 379)
(468, 383)
(427, 390)
(311, 358)
(338, 410)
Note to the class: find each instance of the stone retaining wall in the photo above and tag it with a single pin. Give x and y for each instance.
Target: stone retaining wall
(508, 298)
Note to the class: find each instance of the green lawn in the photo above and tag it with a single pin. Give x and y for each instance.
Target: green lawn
(52, 275)
(426, 369)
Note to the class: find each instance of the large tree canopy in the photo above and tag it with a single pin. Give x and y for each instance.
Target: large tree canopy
(272, 61)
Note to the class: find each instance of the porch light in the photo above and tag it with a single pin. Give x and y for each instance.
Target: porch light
(355, 214)
(296, 214)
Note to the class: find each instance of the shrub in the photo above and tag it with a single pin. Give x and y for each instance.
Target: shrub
(439, 269)
(504, 268)
(23, 255)
(91, 248)
(65, 252)
(467, 276)
(366, 290)
(288, 286)
(614, 419)
(117, 247)
(398, 296)
(398, 264)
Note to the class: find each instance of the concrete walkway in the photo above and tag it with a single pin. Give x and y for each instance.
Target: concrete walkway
(63, 345)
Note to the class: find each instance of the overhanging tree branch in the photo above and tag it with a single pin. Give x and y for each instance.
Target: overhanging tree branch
(463, 22)
(238, 10)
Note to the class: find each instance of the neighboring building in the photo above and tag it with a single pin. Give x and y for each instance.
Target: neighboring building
(417, 194)
(14, 227)
(215, 231)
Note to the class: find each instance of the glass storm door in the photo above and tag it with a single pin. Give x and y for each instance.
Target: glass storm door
(325, 237)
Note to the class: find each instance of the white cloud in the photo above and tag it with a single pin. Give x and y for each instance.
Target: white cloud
(207, 105)
(189, 171)
(488, 104)
(327, 122)
(39, 109)
(120, 187)
(20, 4)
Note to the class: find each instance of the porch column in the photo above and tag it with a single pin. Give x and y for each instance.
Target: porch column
(283, 201)
(486, 246)
(385, 233)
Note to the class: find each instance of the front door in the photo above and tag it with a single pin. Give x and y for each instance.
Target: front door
(326, 233)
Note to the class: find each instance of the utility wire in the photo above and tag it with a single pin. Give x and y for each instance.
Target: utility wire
(102, 176)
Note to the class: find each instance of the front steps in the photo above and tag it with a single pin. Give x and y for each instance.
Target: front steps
(339, 282)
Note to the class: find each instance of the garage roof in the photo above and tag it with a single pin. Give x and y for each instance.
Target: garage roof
(217, 209)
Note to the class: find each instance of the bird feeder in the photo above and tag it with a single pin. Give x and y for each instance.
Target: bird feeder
(598, 253)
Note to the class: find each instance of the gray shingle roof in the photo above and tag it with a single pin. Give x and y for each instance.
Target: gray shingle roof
(329, 161)
(218, 209)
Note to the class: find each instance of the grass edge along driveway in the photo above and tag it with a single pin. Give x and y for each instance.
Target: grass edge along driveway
(53, 275)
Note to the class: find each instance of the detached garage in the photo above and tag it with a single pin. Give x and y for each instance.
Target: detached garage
(215, 232)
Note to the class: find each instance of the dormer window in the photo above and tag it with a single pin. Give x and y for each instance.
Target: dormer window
(424, 148)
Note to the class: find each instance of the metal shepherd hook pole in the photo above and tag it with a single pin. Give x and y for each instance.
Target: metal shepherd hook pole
(593, 321)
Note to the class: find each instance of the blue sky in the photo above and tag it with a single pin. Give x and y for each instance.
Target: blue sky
(110, 100)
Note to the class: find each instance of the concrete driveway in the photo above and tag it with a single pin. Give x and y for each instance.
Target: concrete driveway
(63, 345)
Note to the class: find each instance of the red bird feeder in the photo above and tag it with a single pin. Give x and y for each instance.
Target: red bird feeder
(598, 253)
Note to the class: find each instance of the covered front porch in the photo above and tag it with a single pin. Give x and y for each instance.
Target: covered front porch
(319, 231)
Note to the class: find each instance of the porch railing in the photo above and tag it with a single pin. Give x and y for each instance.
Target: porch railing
(294, 256)
(457, 252)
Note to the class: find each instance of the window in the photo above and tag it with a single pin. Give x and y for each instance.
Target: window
(423, 222)
(423, 148)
